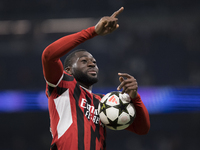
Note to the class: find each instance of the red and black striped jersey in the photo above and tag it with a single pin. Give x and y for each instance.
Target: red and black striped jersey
(74, 119)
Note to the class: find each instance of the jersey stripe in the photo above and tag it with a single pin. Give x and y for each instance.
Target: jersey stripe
(94, 131)
(64, 111)
(80, 118)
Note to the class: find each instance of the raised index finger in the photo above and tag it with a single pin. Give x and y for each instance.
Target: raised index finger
(116, 13)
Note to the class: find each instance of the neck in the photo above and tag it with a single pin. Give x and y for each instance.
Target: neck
(85, 86)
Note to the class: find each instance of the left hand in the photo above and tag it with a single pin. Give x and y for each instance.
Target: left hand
(128, 84)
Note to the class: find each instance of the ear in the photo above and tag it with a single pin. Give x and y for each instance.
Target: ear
(68, 70)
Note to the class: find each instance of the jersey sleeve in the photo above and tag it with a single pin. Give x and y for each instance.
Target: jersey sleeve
(141, 123)
(51, 63)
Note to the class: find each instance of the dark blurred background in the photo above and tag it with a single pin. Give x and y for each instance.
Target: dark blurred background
(158, 42)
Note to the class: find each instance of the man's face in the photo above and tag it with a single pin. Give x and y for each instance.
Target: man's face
(84, 68)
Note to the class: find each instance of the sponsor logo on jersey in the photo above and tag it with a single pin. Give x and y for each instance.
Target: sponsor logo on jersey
(90, 112)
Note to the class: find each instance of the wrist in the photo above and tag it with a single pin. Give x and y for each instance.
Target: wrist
(136, 98)
(94, 30)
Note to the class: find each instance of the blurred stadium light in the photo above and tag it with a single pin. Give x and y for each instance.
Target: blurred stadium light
(15, 27)
(46, 26)
(66, 25)
(157, 100)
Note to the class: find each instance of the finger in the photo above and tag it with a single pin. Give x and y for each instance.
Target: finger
(123, 82)
(113, 29)
(126, 83)
(116, 13)
(128, 89)
(112, 23)
(121, 79)
(130, 86)
(111, 26)
(126, 75)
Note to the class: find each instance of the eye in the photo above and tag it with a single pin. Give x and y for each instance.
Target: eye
(84, 60)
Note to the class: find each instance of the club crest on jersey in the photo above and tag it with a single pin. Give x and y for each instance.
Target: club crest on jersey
(90, 112)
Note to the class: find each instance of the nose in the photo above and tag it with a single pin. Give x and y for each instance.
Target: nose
(91, 63)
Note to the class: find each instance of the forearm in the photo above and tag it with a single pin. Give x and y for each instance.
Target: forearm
(63, 45)
(141, 123)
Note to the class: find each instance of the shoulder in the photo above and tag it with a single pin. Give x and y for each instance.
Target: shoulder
(67, 77)
(67, 82)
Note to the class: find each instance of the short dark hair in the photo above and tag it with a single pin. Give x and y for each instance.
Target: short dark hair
(68, 59)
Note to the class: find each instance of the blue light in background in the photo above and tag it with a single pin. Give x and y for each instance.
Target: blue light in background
(14, 101)
(156, 99)
(11, 101)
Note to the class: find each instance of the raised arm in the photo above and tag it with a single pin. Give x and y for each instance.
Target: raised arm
(52, 65)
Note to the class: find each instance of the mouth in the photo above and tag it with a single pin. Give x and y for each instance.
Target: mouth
(92, 72)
